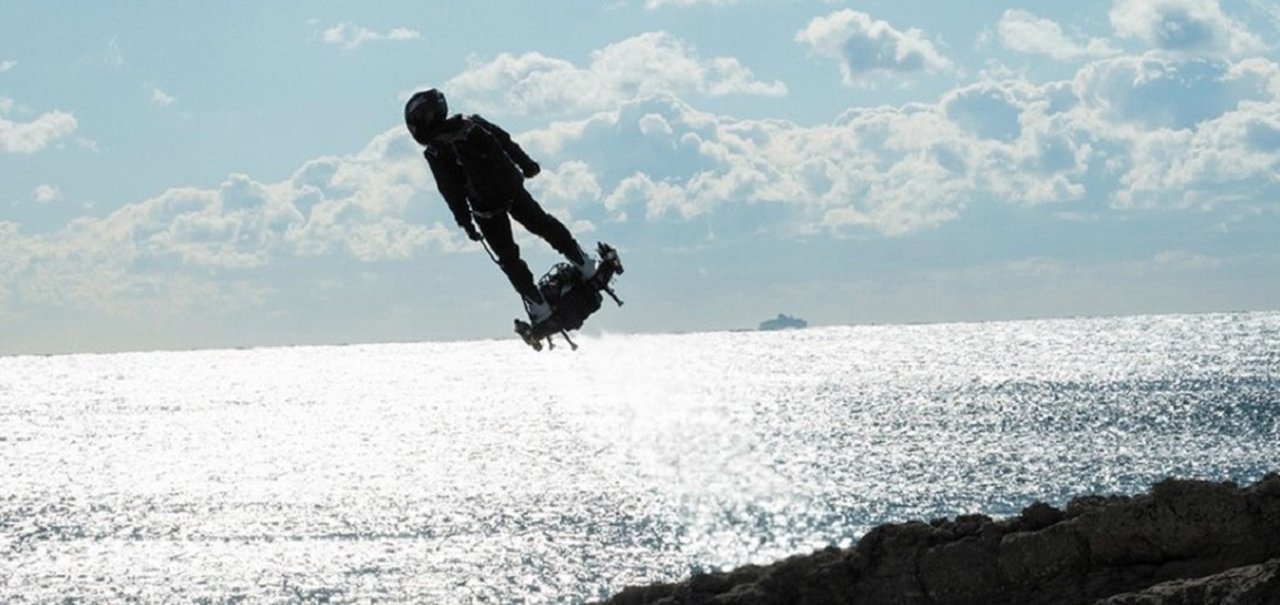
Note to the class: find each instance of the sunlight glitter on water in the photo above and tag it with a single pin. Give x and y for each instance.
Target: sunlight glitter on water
(479, 471)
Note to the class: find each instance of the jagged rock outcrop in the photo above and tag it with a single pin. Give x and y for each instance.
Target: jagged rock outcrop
(1248, 585)
(1169, 546)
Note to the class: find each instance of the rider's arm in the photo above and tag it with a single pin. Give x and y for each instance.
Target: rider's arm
(451, 181)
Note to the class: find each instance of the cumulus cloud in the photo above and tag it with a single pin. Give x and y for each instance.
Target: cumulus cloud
(162, 98)
(1153, 91)
(569, 184)
(1231, 159)
(1127, 132)
(1133, 132)
(351, 37)
(705, 162)
(355, 206)
(1192, 27)
(89, 266)
(1024, 32)
(7, 65)
(46, 193)
(36, 135)
(864, 46)
(986, 111)
(650, 63)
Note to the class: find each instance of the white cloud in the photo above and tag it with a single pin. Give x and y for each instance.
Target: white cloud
(46, 193)
(161, 98)
(986, 111)
(864, 46)
(350, 37)
(693, 163)
(36, 135)
(658, 197)
(1191, 27)
(89, 267)
(356, 206)
(569, 184)
(7, 65)
(1155, 131)
(1153, 91)
(1021, 31)
(1128, 132)
(650, 63)
(657, 61)
(1231, 159)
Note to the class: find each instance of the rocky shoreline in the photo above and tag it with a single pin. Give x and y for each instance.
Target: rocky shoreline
(1185, 542)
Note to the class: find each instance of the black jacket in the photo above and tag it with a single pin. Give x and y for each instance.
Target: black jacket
(477, 166)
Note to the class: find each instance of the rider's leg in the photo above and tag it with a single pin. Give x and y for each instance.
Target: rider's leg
(497, 232)
(527, 211)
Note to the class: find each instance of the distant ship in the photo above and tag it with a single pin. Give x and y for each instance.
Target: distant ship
(783, 322)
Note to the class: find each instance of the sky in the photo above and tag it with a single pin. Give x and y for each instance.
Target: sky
(178, 175)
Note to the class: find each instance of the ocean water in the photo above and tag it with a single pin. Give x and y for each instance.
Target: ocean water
(481, 472)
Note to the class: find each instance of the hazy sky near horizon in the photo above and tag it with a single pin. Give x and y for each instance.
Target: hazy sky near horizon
(181, 175)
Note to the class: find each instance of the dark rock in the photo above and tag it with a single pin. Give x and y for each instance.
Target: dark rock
(1039, 516)
(1247, 585)
(1033, 558)
(1184, 542)
(969, 525)
(964, 571)
(1083, 504)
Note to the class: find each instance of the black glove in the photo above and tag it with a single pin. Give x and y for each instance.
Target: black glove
(531, 169)
(471, 232)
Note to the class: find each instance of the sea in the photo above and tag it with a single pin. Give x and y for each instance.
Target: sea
(483, 472)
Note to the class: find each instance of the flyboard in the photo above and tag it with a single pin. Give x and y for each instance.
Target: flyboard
(572, 298)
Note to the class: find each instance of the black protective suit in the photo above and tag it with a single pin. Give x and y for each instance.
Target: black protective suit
(480, 172)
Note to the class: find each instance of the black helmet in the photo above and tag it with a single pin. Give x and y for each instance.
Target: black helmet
(424, 113)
